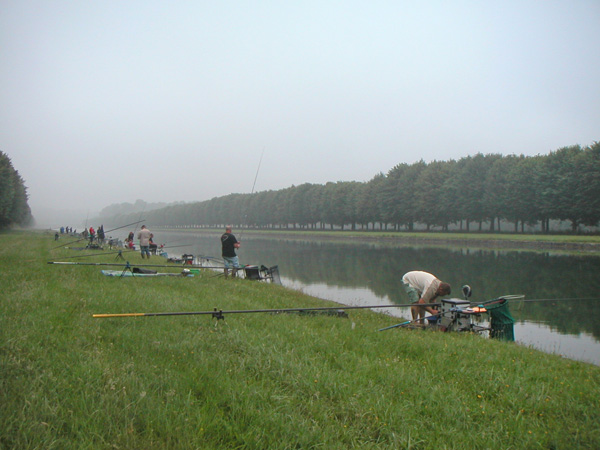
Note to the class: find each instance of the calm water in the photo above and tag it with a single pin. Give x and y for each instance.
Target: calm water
(369, 274)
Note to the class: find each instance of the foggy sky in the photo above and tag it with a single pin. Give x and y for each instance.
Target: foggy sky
(114, 101)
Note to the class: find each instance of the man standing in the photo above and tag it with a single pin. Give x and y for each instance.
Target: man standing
(423, 287)
(228, 244)
(144, 236)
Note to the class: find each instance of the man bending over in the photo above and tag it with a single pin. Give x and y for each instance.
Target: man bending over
(423, 287)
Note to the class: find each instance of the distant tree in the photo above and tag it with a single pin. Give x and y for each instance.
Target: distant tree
(14, 209)
(522, 199)
(587, 197)
(367, 205)
(339, 207)
(431, 206)
(450, 206)
(299, 205)
(397, 198)
(472, 173)
(315, 205)
(496, 193)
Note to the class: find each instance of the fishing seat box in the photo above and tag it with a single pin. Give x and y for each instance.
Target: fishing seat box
(252, 273)
(451, 318)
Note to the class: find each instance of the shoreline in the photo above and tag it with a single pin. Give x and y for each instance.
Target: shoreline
(558, 243)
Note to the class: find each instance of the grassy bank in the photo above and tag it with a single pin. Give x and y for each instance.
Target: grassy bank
(257, 381)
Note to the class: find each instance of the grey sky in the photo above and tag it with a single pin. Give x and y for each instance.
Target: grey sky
(113, 101)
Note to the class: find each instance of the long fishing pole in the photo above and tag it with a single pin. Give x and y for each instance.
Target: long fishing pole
(557, 299)
(90, 255)
(141, 213)
(114, 229)
(257, 169)
(176, 246)
(96, 254)
(253, 186)
(283, 310)
(172, 266)
(208, 258)
(219, 313)
(248, 311)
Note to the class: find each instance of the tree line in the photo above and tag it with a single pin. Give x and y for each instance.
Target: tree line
(14, 209)
(473, 193)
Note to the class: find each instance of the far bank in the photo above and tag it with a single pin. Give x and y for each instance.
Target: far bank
(506, 241)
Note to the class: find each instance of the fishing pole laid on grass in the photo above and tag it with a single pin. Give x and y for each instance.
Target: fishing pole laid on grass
(173, 266)
(283, 310)
(221, 313)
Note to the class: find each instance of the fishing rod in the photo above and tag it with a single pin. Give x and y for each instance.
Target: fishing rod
(179, 239)
(221, 313)
(558, 299)
(257, 169)
(96, 254)
(141, 213)
(173, 266)
(214, 258)
(253, 186)
(89, 255)
(176, 246)
(283, 310)
(85, 238)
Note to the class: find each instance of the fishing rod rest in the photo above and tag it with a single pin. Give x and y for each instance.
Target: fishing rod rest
(127, 267)
(218, 315)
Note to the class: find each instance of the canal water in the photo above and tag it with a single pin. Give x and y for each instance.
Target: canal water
(564, 319)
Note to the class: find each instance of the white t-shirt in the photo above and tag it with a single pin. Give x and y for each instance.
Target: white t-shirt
(423, 282)
(144, 237)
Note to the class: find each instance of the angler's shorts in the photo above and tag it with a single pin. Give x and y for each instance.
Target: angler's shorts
(231, 262)
(413, 294)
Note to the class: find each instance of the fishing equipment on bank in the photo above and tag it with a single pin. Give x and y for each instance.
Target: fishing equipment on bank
(136, 272)
(129, 269)
(127, 264)
(456, 315)
(249, 272)
(462, 315)
(95, 246)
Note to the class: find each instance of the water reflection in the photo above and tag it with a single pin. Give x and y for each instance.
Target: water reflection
(582, 346)
(358, 273)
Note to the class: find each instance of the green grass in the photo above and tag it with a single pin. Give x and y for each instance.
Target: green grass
(257, 381)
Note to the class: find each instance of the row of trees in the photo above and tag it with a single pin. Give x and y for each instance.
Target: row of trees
(14, 209)
(475, 192)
